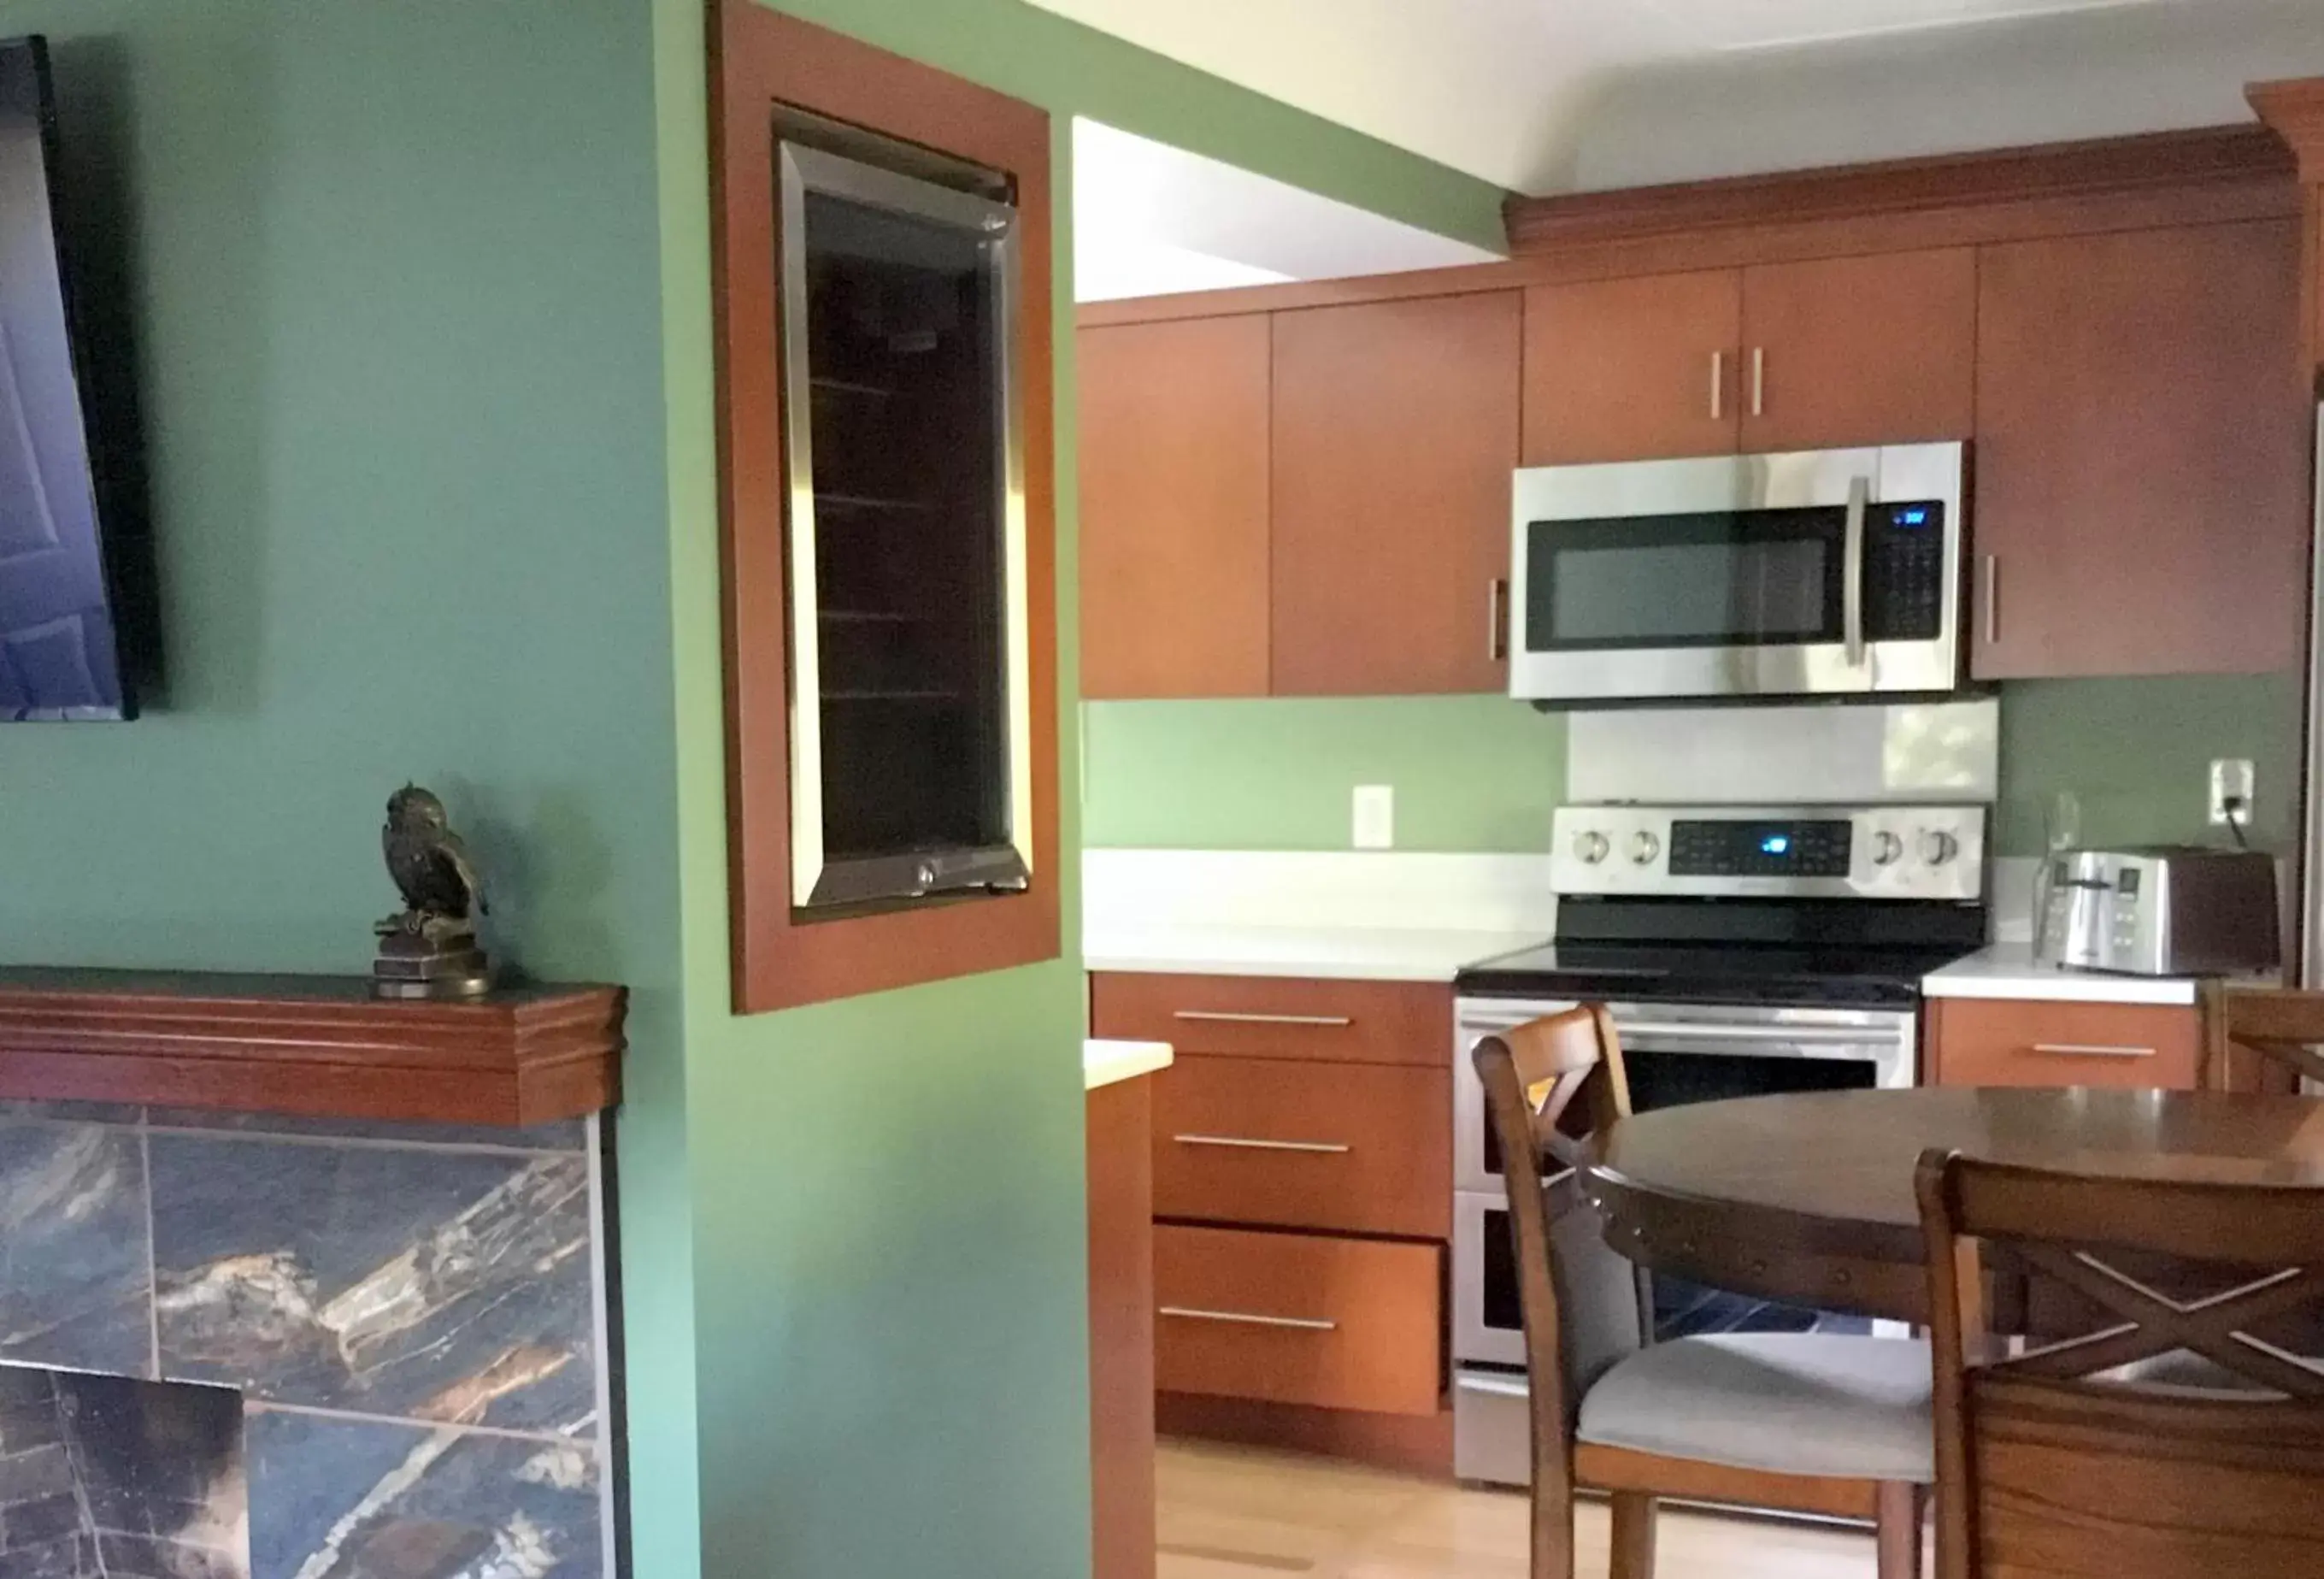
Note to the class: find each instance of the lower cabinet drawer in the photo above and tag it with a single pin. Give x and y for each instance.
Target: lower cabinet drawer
(1344, 1323)
(1993, 1042)
(1278, 1017)
(1357, 1147)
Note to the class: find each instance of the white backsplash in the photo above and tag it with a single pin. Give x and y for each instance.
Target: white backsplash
(1742, 755)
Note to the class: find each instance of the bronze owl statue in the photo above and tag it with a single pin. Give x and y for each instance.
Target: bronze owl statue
(430, 867)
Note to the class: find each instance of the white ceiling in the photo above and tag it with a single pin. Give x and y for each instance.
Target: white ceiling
(1558, 95)
(1150, 219)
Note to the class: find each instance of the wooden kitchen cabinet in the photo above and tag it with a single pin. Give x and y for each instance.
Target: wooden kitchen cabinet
(1395, 429)
(1632, 369)
(2141, 454)
(1298, 1318)
(1277, 1017)
(1300, 1154)
(1174, 508)
(2000, 1041)
(1354, 1149)
(1842, 352)
(1120, 1171)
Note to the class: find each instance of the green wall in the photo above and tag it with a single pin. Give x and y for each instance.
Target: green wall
(1469, 772)
(421, 304)
(1482, 773)
(2136, 755)
(889, 1238)
(394, 278)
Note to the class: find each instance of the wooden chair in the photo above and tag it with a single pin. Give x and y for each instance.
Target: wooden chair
(2178, 1437)
(1804, 1422)
(2260, 1039)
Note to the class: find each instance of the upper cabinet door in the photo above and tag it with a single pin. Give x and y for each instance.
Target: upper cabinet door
(2143, 441)
(1632, 369)
(1174, 502)
(1396, 429)
(1842, 352)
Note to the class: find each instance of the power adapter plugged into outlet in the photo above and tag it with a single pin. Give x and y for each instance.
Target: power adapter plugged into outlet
(2231, 793)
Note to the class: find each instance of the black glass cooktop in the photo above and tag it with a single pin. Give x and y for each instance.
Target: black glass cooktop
(1833, 952)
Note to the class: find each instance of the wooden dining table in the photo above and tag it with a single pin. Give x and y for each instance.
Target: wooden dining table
(1808, 1199)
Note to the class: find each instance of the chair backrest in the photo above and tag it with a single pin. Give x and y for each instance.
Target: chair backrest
(2181, 1438)
(1551, 1085)
(2260, 1039)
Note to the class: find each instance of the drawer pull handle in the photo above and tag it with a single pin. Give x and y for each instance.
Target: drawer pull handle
(1245, 1144)
(2091, 1050)
(1222, 1017)
(1246, 1318)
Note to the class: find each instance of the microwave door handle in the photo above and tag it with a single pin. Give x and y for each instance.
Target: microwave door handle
(1851, 596)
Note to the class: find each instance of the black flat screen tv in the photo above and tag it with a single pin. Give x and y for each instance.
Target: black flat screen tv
(60, 650)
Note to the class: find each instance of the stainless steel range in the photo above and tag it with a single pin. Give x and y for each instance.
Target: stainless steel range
(1744, 951)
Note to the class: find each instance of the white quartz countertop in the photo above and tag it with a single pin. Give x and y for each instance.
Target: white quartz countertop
(2009, 970)
(1107, 1063)
(1364, 952)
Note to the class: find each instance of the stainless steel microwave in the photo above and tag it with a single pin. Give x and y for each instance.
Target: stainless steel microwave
(1819, 573)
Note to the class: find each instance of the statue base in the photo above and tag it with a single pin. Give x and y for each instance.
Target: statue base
(411, 964)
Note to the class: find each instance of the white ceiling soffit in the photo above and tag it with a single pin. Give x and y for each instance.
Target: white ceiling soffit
(1150, 219)
(1547, 95)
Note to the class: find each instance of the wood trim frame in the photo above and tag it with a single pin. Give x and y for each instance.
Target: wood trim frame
(2127, 183)
(760, 57)
(2294, 111)
(320, 1047)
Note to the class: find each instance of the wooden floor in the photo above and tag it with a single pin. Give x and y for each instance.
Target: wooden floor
(1239, 1513)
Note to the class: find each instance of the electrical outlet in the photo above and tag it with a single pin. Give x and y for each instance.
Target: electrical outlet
(1375, 817)
(2231, 780)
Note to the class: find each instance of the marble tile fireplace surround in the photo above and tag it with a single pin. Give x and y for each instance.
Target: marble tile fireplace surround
(405, 1324)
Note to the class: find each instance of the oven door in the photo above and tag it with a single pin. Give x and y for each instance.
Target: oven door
(1678, 1053)
(1823, 572)
(1475, 1154)
(1488, 1321)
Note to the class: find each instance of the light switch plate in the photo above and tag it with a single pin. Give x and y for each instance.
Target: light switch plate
(2231, 780)
(1375, 817)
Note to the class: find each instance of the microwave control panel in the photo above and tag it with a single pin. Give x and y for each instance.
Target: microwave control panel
(1904, 571)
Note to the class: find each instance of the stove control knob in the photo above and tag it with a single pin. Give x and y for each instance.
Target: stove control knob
(1888, 849)
(1938, 846)
(1644, 848)
(1591, 848)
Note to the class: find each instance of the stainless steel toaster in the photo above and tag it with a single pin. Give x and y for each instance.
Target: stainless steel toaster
(2170, 911)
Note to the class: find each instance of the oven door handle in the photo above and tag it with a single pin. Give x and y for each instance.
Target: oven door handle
(1852, 594)
(1856, 1035)
(1490, 1384)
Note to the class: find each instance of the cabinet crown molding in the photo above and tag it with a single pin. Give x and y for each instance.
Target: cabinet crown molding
(2294, 110)
(2101, 168)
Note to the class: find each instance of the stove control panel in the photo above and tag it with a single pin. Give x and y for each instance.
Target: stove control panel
(1826, 852)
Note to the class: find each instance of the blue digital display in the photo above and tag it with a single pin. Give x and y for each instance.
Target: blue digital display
(1776, 844)
(1916, 516)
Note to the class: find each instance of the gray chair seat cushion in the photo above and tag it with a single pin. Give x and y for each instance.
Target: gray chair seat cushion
(1787, 1403)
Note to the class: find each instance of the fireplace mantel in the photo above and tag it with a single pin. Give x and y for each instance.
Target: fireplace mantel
(318, 1046)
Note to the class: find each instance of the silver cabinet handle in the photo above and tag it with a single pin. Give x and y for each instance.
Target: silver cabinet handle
(1223, 1017)
(2091, 1050)
(1247, 1318)
(1851, 572)
(1497, 619)
(1718, 384)
(1758, 381)
(1245, 1143)
(1991, 566)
